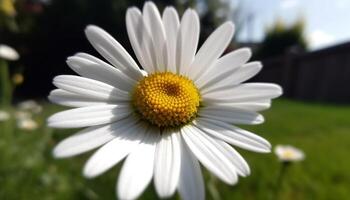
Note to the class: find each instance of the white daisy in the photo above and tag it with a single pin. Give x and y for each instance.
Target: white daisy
(30, 105)
(4, 116)
(163, 120)
(8, 53)
(27, 124)
(288, 153)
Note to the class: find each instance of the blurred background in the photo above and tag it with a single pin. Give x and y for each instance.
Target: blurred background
(304, 46)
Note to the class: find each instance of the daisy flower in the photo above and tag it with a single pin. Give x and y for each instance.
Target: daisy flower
(4, 116)
(164, 119)
(288, 153)
(27, 124)
(30, 105)
(8, 53)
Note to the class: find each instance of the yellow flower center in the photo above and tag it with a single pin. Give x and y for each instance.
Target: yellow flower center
(166, 99)
(288, 154)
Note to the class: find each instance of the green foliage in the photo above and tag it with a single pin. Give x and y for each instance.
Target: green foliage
(28, 170)
(214, 14)
(281, 38)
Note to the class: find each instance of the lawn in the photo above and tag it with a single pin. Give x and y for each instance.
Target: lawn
(28, 170)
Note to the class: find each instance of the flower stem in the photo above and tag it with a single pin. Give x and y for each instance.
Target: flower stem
(212, 188)
(279, 181)
(5, 85)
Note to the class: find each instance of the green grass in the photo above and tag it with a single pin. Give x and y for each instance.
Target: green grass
(28, 171)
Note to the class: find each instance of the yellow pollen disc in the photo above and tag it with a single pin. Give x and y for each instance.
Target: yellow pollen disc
(288, 154)
(166, 99)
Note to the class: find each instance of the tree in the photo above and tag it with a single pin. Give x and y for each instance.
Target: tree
(281, 38)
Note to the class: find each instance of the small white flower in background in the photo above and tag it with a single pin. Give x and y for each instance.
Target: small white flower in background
(163, 120)
(27, 105)
(288, 153)
(30, 105)
(27, 124)
(4, 116)
(25, 120)
(8, 53)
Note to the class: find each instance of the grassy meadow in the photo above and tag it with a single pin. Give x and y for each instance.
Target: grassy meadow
(28, 170)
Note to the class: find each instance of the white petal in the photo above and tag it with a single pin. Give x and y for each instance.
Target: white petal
(171, 26)
(236, 159)
(121, 73)
(66, 98)
(191, 185)
(167, 163)
(208, 152)
(249, 105)
(187, 41)
(111, 50)
(90, 138)
(233, 135)
(212, 48)
(137, 170)
(89, 116)
(144, 73)
(114, 151)
(246, 92)
(232, 77)
(231, 115)
(154, 25)
(90, 88)
(140, 39)
(100, 71)
(228, 63)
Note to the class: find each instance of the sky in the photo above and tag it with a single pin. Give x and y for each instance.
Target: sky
(327, 21)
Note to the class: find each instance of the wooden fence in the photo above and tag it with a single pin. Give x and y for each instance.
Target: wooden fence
(322, 75)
